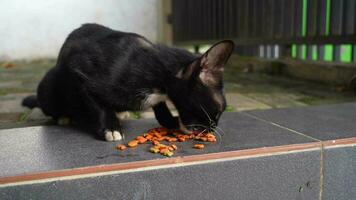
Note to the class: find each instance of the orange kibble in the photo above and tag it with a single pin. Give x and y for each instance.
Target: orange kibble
(212, 139)
(133, 143)
(170, 148)
(155, 142)
(149, 137)
(199, 146)
(121, 147)
(142, 140)
(174, 146)
(139, 137)
(157, 134)
(210, 135)
(172, 140)
(163, 147)
(162, 151)
(204, 139)
(163, 132)
(181, 139)
(162, 129)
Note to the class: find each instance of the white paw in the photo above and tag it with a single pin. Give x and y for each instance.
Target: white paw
(112, 136)
(123, 115)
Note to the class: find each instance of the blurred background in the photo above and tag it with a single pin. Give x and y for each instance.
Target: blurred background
(288, 54)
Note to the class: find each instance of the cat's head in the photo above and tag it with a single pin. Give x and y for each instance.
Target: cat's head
(200, 98)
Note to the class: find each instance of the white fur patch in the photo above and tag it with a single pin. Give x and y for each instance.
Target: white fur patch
(123, 115)
(153, 99)
(112, 136)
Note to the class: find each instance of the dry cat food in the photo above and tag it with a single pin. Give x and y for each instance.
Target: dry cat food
(199, 146)
(121, 147)
(157, 136)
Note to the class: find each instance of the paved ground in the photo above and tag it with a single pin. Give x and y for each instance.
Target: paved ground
(244, 91)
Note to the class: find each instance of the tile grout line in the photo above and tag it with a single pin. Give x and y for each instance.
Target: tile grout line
(322, 149)
(281, 126)
(321, 184)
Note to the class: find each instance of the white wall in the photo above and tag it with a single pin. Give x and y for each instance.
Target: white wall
(32, 29)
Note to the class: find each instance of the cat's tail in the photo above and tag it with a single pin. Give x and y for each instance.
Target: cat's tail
(30, 101)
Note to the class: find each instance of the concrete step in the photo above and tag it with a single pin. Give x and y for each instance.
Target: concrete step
(296, 153)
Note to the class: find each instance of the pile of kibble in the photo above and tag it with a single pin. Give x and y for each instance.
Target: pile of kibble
(158, 135)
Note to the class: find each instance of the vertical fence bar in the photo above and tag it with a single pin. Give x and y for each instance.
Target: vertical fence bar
(245, 18)
(336, 17)
(288, 21)
(240, 18)
(250, 18)
(261, 51)
(349, 17)
(321, 52)
(337, 53)
(321, 17)
(277, 19)
(312, 17)
(298, 18)
(310, 52)
(231, 18)
(354, 53)
(259, 18)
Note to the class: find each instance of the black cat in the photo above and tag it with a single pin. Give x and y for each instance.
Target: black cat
(101, 72)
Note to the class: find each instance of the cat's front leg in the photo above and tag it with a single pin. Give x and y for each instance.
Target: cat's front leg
(97, 119)
(165, 117)
(111, 127)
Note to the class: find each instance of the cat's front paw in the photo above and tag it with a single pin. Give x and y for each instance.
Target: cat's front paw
(112, 135)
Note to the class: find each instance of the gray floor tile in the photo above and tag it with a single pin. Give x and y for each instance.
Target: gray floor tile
(43, 148)
(340, 173)
(321, 122)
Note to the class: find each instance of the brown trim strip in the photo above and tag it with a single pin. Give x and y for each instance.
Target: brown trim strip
(158, 162)
(337, 142)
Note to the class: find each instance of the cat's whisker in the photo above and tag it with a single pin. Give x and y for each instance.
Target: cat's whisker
(197, 125)
(220, 129)
(206, 114)
(219, 135)
(202, 131)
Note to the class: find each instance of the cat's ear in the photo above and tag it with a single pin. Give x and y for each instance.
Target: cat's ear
(213, 61)
(210, 65)
(192, 70)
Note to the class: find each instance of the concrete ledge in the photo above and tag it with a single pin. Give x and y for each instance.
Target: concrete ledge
(323, 72)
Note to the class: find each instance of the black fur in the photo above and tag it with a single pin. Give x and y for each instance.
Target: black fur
(101, 71)
(30, 101)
